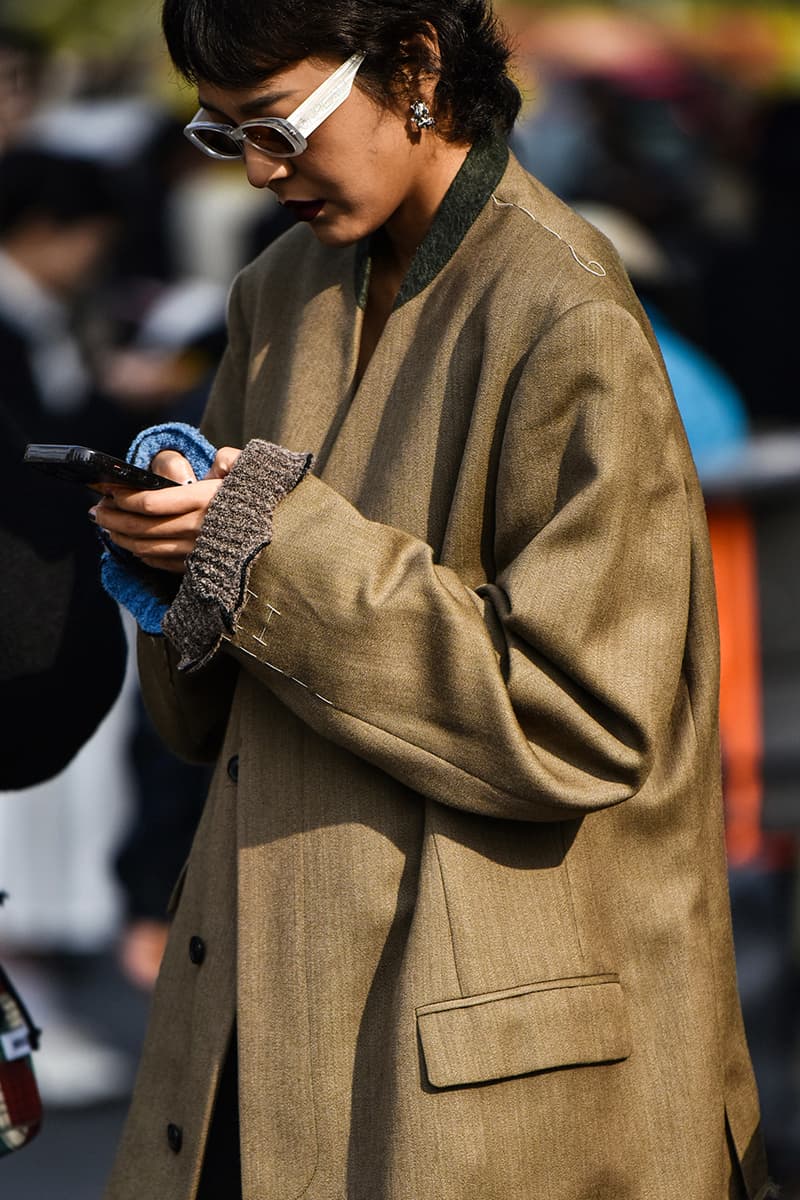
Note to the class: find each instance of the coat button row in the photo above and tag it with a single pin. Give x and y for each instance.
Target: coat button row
(197, 950)
(174, 1137)
(233, 768)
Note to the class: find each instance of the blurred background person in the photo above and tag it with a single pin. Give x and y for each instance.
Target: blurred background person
(109, 318)
(23, 55)
(58, 218)
(62, 649)
(62, 645)
(57, 221)
(749, 299)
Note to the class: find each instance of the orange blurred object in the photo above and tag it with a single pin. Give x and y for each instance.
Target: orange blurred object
(733, 545)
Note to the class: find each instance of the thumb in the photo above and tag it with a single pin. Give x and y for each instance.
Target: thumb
(174, 466)
(224, 462)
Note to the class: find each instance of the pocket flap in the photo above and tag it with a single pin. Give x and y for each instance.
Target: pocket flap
(561, 1023)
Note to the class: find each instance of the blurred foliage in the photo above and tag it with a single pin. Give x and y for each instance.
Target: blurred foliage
(758, 39)
(88, 26)
(756, 42)
(102, 46)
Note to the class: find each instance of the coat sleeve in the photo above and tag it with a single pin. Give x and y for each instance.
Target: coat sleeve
(190, 712)
(544, 693)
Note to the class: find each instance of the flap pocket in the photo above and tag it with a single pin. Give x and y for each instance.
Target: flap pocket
(560, 1023)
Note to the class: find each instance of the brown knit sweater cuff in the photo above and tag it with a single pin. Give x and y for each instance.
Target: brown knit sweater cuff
(236, 527)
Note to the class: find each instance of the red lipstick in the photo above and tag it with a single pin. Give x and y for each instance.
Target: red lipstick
(304, 210)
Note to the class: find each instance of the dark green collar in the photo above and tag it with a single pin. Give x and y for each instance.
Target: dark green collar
(480, 173)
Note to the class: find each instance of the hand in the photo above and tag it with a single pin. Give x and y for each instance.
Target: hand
(141, 950)
(223, 463)
(161, 527)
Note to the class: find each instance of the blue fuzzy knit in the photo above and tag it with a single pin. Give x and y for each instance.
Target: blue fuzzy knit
(124, 577)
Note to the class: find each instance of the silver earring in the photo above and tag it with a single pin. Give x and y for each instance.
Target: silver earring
(421, 115)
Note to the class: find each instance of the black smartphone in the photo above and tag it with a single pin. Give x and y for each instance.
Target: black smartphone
(91, 467)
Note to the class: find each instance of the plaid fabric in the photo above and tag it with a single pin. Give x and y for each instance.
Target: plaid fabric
(20, 1105)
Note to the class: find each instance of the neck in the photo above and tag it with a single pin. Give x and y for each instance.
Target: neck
(406, 228)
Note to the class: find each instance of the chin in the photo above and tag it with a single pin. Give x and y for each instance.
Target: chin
(341, 232)
(334, 237)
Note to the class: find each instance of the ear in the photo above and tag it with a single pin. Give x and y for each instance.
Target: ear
(420, 67)
(418, 79)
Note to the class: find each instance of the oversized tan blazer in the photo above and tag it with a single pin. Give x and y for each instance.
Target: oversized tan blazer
(460, 874)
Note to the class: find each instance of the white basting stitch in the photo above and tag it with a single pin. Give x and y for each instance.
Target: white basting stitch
(285, 674)
(273, 612)
(590, 265)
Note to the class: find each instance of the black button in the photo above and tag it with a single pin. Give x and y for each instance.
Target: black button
(197, 950)
(233, 768)
(174, 1137)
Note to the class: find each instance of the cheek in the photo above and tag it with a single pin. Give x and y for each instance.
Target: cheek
(379, 181)
(369, 157)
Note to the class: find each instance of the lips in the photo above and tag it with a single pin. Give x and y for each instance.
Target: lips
(304, 210)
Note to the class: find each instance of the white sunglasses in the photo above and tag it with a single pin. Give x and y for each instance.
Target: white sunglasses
(277, 137)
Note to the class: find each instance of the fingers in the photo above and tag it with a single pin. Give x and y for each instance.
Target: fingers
(174, 466)
(123, 523)
(164, 502)
(174, 564)
(224, 462)
(159, 527)
(147, 543)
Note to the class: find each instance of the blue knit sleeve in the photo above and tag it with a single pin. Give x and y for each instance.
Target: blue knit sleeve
(144, 591)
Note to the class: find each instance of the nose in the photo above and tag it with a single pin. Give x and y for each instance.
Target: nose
(261, 169)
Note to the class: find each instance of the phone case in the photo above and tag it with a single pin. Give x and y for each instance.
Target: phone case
(80, 464)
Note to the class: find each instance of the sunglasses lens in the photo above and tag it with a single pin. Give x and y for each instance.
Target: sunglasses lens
(218, 142)
(272, 141)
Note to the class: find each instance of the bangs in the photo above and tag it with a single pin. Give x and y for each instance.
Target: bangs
(213, 40)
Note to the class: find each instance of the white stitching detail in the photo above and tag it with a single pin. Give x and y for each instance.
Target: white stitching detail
(285, 674)
(590, 265)
(273, 612)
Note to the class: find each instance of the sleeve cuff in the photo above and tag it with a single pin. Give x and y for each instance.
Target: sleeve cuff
(237, 526)
(147, 593)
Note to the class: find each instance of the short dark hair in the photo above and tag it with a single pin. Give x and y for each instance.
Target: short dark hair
(61, 188)
(238, 43)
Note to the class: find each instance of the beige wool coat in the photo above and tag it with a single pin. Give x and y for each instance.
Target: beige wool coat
(460, 876)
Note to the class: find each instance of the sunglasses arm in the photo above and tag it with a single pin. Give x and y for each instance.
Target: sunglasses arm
(327, 98)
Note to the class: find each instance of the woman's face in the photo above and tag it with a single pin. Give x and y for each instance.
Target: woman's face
(363, 164)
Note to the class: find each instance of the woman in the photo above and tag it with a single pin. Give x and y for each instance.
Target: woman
(459, 886)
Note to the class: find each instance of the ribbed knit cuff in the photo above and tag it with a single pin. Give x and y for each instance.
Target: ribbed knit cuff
(146, 592)
(236, 527)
